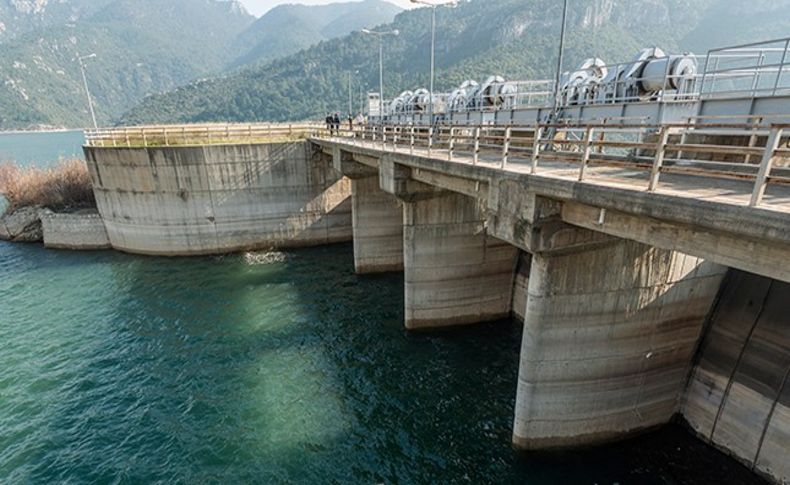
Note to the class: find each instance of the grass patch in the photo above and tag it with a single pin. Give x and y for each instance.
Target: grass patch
(66, 186)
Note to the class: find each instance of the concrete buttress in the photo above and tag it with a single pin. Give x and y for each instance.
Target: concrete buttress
(609, 336)
(455, 273)
(378, 228)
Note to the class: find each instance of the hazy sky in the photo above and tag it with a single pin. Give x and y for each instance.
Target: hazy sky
(259, 7)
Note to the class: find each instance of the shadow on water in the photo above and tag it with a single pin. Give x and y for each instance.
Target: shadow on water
(233, 369)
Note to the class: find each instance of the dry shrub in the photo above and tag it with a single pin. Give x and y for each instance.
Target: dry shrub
(64, 187)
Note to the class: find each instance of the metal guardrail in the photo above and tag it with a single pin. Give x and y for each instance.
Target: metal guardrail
(755, 69)
(205, 134)
(656, 149)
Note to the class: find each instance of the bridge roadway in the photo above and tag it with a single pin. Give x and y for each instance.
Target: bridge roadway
(701, 215)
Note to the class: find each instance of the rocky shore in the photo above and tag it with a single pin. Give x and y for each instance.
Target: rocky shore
(78, 230)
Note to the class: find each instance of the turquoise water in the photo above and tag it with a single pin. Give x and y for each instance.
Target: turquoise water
(237, 369)
(42, 148)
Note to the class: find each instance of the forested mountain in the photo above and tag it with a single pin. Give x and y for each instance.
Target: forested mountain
(287, 29)
(514, 38)
(141, 47)
(21, 16)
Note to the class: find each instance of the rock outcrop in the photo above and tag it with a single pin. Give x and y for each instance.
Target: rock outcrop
(23, 225)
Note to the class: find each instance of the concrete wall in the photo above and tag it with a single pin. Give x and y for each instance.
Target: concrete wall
(521, 286)
(738, 397)
(220, 198)
(609, 336)
(74, 231)
(455, 273)
(378, 228)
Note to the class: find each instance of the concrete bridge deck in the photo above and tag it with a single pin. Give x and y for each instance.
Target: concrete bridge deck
(703, 215)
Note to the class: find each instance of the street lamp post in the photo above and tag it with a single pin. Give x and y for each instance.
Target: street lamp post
(558, 75)
(350, 102)
(381, 36)
(433, 4)
(81, 60)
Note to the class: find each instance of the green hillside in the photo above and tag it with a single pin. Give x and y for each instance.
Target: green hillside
(142, 46)
(514, 38)
(287, 29)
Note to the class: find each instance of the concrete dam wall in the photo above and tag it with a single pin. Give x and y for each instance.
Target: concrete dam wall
(190, 200)
(738, 397)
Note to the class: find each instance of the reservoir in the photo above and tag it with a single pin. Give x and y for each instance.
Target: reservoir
(270, 368)
(40, 148)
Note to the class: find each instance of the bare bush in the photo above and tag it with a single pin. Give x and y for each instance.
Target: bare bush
(64, 187)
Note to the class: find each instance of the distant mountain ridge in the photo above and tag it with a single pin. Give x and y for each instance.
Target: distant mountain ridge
(287, 29)
(142, 47)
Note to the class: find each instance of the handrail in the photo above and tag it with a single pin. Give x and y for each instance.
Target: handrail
(195, 134)
(644, 147)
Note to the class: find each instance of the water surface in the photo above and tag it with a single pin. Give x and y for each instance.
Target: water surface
(40, 148)
(253, 369)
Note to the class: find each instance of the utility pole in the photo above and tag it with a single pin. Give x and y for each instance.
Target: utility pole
(81, 60)
(558, 76)
(433, 4)
(381, 36)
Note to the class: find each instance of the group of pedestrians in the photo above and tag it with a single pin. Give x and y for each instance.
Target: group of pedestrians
(333, 122)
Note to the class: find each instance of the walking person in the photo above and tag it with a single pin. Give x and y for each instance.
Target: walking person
(350, 120)
(328, 121)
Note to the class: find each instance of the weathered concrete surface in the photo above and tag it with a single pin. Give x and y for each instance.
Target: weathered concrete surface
(219, 198)
(80, 231)
(455, 273)
(701, 216)
(609, 336)
(23, 225)
(378, 228)
(738, 397)
(521, 285)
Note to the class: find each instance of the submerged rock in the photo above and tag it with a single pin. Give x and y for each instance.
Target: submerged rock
(22, 225)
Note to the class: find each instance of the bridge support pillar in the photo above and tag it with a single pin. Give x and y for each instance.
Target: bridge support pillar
(378, 228)
(609, 335)
(455, 273)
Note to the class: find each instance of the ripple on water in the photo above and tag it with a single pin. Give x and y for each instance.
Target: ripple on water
(267, 368)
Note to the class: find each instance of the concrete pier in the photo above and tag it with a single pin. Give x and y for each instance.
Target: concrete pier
(378, 227)
(455, 273)
(609, 335)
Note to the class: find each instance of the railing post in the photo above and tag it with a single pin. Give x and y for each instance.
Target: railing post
(476, 156)
(658, 160)
(753, 138)
(506, 146)
(765, 166)
(588, 136)
(395, 137)
(126, 135)
(145, 138)
(538, 133)
(164, 135)
(451, 146)
(781, 67)
(430, 139)
(411, 140)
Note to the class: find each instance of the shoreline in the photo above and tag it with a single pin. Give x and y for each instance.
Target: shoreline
(33, 132)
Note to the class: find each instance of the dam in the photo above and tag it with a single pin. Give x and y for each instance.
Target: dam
(647, 256)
